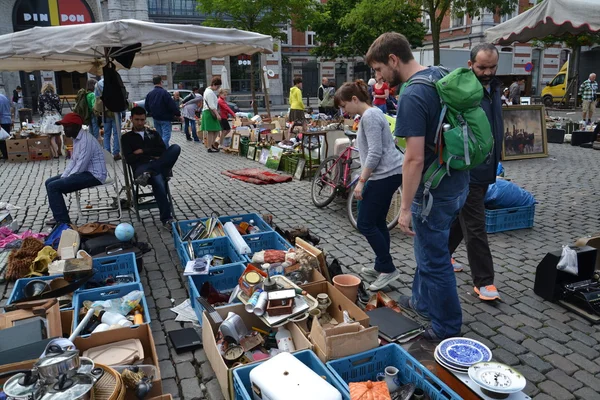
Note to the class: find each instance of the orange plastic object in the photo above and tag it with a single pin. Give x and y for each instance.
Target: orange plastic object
(369, 391)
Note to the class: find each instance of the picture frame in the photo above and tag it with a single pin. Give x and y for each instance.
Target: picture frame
(251, 152)
(524, 133)
(274, 158)
(235, 141)
(300, 169)
(264, 154)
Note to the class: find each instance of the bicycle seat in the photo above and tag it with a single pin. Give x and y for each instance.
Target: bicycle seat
(351, 135)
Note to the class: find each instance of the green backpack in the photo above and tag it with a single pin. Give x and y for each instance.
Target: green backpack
(464, 137)
(81, 107)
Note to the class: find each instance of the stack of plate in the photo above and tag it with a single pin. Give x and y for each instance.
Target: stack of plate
(458, 354)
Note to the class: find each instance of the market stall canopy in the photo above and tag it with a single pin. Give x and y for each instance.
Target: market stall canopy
(551, 17)
(131, 42)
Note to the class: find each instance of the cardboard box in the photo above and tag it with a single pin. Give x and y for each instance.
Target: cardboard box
(342, 340)
(339, 303)
(315, 277)
(17, 146)
(210, 329)
(68, 141)
(141, 332)
(18, 157)
(163, 397)
(66, 321)
(39, 148)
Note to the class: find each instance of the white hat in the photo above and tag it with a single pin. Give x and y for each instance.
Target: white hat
(372, 81)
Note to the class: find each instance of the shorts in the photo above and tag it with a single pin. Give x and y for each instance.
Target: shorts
(225, 125)
(296, 116)
(588, 106)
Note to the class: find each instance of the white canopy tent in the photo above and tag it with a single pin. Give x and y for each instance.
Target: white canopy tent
(84, 48)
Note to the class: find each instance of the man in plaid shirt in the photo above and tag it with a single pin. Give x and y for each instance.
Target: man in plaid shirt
(587, 91)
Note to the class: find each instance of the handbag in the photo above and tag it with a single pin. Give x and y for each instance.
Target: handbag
(214, 112)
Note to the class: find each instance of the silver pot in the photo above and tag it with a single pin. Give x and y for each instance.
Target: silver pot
(76, 387)
(56, 364)
(22, 386)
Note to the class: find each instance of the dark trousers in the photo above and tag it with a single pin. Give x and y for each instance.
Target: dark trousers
(160, 169)
(3, 149)
(57, 187)
(372, 210)
(470, 225)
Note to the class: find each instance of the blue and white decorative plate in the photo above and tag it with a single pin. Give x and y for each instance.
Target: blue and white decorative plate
(464, 351)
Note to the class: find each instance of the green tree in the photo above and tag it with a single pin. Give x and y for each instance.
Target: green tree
(346, 28)
(262, 16)
(438, 9)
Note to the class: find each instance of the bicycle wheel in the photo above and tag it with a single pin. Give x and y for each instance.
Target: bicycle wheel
(393, 213)
(325, 181)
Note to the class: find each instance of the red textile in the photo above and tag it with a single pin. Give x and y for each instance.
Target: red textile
(224, 110)
(380, 92)
(257, 176)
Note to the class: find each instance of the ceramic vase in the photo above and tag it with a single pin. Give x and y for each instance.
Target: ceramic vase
(390, 376)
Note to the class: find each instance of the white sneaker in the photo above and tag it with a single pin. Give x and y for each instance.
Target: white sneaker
(369, 271)
(383, 280)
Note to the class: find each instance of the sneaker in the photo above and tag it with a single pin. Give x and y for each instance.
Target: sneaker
(487, 293)
(430, 336)
(51, 222)
(117, 157)
(143, 179)
(383, 280)
(369, 272)
(168, 225)
(405, 303)
(363, 296)
(457, 266)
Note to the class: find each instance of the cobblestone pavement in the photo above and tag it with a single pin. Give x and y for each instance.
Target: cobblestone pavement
(558, 352)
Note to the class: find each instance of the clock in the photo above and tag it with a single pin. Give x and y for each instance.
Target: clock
(233, 353)
(497, 378)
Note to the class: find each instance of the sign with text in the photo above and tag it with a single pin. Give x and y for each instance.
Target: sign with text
(30, 13)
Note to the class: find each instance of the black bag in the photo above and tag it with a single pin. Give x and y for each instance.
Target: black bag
(114, 94)
(98, 244)
(335, 268)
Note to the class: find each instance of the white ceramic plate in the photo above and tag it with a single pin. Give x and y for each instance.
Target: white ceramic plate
(497, 377)
(451, 368)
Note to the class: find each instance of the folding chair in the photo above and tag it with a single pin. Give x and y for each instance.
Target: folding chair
(111, 180)
(143, 199)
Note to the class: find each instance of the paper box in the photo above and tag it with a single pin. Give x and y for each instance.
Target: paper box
(39, 148)
(343, 340)
(210, 329)
(16, 146)
(18, 157)
(141, 332)
(66, 321)
(592, 241)
(315, 277)
(69, 244)
(339, 303)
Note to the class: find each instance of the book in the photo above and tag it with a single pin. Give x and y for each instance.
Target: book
(393, 326)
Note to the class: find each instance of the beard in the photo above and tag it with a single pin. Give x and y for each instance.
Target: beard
(485, 79)
(395, 81)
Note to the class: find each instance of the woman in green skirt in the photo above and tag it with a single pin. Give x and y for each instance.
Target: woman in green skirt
(211, 123)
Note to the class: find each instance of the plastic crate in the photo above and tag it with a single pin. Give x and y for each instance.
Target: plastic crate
(185, 227)
(221, 247)
(17, 292)
(258, 221)
(244, 144)
(509, 219)
(111, 266)
(241, 375)
(265, 241)
(289, 162)
(222, 278)
(365, 366)
(107, 293)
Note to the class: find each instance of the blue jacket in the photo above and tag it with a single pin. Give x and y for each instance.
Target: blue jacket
(161, 105)
(485, 173)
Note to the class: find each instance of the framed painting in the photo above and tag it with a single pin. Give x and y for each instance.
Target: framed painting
(251, 152)
(235, 141)
(300, 169)
(274, 157)
(524, 132)
(264, 154)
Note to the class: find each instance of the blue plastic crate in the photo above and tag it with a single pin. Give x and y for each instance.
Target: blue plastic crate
(265, 241)
(17, 292)
(509, 219)
(222, 278)
(241, 375)
(111, 266)
(107, 293)
(258, 221)
(220, 246)
(185, 227)
(365, 366)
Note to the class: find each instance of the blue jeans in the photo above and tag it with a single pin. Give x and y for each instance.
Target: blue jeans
(160, 169)
(110, 129)
(187, 123)
(57, 186)
(382, 107)
(94, 128)
(372, 210)
(164, 129)
(434, 286)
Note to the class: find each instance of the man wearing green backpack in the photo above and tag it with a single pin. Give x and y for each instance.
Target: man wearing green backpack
(470, 224)
(443, 141)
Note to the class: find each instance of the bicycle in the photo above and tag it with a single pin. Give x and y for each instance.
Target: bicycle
(337, 176)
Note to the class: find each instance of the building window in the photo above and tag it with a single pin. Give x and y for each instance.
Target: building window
(427, 22)
(459, 18)
(506, 17)
(287, 30)
(310, 38)
(173, 8)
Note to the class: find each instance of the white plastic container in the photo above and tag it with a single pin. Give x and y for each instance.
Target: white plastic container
(273, 379)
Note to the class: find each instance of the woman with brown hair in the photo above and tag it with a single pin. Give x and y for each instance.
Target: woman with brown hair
(210, 115)
(49, 106)
(380, 177)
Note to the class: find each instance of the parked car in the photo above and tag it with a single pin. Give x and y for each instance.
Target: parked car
(183, 93)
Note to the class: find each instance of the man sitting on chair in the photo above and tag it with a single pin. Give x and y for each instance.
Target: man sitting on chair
(150, 160)
(87, 168)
